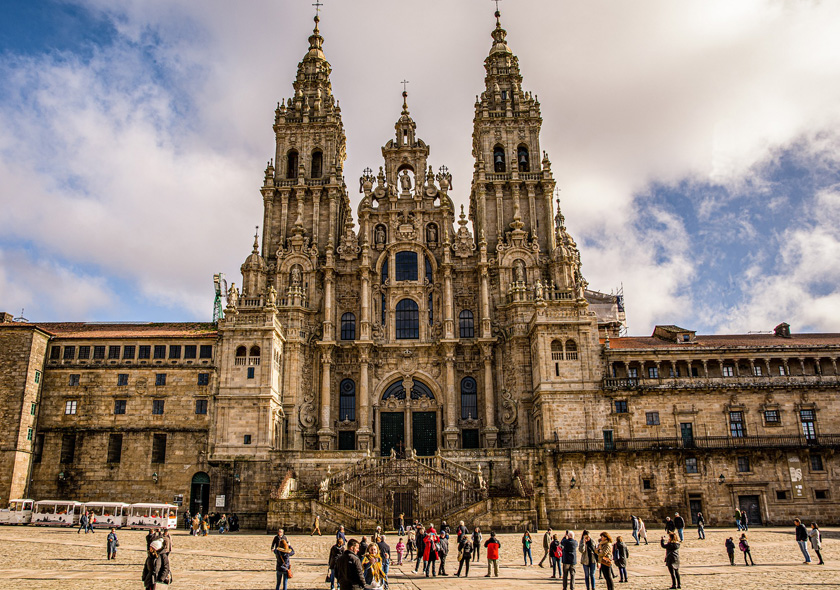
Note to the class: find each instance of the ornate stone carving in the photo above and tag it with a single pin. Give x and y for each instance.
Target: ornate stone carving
(464, 244)
(509, 407)
(348, 248)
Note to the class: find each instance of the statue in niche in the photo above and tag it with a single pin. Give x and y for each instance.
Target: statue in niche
(379, 237)
(431, 234)
(519, 271)
(233, 295)
(272, 296)
(296, 276)
(405, 181)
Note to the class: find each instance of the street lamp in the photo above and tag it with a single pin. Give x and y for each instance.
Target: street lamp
(61, 477)
(155, 477)
(721, 479)
(236, 478)
(573, 481)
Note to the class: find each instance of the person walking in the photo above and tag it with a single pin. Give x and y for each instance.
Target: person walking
(83, 523)
(802, 539)
(588, 559)
(605, 560)
(112, 543)
(556, 552)
(738, 519)
(153, 565)
(476, 543)
(568, 547)
(420, 543)
(672, 558)
(745, 521)
(679, 523)
(526, 547)
(465, 553)
(816, 541)
(205, 526)
(430, 551)
(283, 553)
(620, 555)
(372, 566)
(670, 527)
(316, 526)
(492, 544)
(701, 526)
(349, 568)
(730, 550)
(744, 546)
(634, 522)
(443, 552)
(643, 530)
(546, 547)
(336, 551)
(384, 554)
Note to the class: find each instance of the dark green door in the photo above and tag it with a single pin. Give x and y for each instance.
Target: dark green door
(424, 432)
(392, 426)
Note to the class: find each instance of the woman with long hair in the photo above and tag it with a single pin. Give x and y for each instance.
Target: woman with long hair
(672, 557)
(605, 561)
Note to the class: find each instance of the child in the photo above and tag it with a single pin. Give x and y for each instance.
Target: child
(730, 549)
(744, 546)
(400, 551)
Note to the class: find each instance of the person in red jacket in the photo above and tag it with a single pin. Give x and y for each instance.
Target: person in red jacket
(492, 545)
(430, 554)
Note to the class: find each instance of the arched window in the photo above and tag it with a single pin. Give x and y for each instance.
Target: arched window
(317, 169)
(431, 309)
(384, 309)
(255, 351)
(418, 390)
(406, 266)
(466, 324)
(556, 350)
(348, 326)
(499, 159)
(292, 164)
(383, 274)
(347, 400)
(408, 320)
(522, 159)
(571, 350)
(429, 275)
(469, 399)
(240, 351)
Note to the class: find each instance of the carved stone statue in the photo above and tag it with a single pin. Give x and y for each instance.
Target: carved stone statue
(272, 296)
(379, 237)
(519, 271)
(431, 234)
(296, 276)
(405, 181)
(233, 295)
(538, 290)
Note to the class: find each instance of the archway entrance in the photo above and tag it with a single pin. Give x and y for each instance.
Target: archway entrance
(200, 493)
(408, 413)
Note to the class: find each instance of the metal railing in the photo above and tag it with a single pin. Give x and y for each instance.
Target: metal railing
(719, 382)
(590, 445)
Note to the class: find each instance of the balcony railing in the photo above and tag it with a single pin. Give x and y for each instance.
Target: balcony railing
(696, 443)
(720, 382)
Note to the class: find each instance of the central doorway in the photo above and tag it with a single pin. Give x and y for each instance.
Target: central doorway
(424, 432)
(200, 493)
(393, 432)
(750, 505)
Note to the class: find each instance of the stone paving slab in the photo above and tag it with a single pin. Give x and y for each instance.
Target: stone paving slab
(47, 558)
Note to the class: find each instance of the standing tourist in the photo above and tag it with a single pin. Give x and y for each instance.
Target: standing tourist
(401, 529)
(816, 541)
(443, 552)
(336, 551)
(283, 553)
(420, 543)
(205, 526)
(187, 520)
(730, 550)
(152, 567)
(620, 555)
(745, 521)
(465, 552)
(349, 568)
(409, 547)
(643, 531)
(802, 539)
(605, 558)
(430, 554)
(461, 531)
(385, 554)
(569, 550)
(744, 546)
(670, 527)
(476, 543)
(672, 558)
(526, 547)
(150, 536)
(588, 559)
(280, 536)
(546, 547)
(492, 544)
(679, 523)
(112, 543)
(339, 534)
(634, 521)
(372, 567)
(701, 526)
(555, 553)
(363, 546)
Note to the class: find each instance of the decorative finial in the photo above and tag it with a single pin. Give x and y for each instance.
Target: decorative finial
(498, 14)
(318, 4)
(256, 239)
(405, 97)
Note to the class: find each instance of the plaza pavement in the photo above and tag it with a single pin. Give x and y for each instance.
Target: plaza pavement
(50, 558)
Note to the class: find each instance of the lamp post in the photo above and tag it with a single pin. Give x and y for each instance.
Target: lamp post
(155, 477)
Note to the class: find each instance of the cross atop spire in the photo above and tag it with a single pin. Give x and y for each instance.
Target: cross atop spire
(405, 88)
(498, 13)
(318, 4)
(405, 97)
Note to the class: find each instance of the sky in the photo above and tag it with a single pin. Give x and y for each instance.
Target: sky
(696, 143)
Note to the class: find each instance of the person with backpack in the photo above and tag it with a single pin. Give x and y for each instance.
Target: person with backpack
(620, 555)
(744, 546)
(465, 551)
(568, 556)
(588, 559)
(492, 544)
(555, 553)
(730, 550)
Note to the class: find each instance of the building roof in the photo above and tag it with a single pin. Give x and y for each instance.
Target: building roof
(114, 330)
(726, 341)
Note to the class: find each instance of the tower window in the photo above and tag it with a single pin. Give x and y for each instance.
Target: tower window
(348, 326)
(466, 324)
(292, 164)
(571, 350)
(408, 320)
(499, 159)
(317, 164)
(522, 159)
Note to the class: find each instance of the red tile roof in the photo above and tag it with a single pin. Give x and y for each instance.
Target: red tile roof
(121, 330)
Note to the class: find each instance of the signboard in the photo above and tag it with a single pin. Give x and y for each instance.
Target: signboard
(220, 501)
(179, 500)
(796, 481)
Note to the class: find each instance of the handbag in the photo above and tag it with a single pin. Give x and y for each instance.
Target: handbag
(289, 573)
(606, 561)
(117, 543)
(327, 579)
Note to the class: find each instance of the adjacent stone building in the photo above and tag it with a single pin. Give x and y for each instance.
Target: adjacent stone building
(423, 360)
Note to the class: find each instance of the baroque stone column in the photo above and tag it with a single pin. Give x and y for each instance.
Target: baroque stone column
(450, 432)
(490, 430)
(325, 433)
(364, 434)
(364, 322)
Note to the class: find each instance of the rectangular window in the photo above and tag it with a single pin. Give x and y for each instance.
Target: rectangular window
(159, 448)
(782, 371)
(620, 406)
(38, 448)
(691, 465)
(817, 463)
(821, 494)
(175, 351)
(201, 406)
(189, 351)
(70, 406)
(647, 484)
(743, 464)
(160, 379)
(250, 372)
(74, 380)
(98, 352)
(68, 448)
(247, 439)
(205, 351)
(69, 353)
(29, 434)
(728, 371)
(144, 352)
(736, 424)
(115, 448)
(37, 377)
(632, 372)
(469, 438)
(346, 440)
(157, 406)
(55, 353)
(781, 495)
(653, 373)
(772, 416)
(204, 378)
(119, 406)
(757, 371)
(32, 408)
(113, 352)
(694, 372)
(160, 351)
(129, 351)
(122, 379)
(652, 418)
(84, 352)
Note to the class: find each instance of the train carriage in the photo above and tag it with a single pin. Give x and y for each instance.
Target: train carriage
(57, 512)
(152, 516)
(108, 514)
(18, 512)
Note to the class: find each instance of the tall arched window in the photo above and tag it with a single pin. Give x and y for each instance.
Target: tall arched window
(523, 159)
(408, 320)
(240, 351)
(317, 168)
(466, 324)
(406, 262)
(348, 326)
(499, 159)
(384, 308)
(347, 400)
(429, 275)
(469, 399)
(292, 164)
(255, 351)
(431, 309)
(571, 350)
(384, 272)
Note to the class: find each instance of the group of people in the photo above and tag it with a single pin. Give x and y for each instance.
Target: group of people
(200, 526)
(86, 521)
(156, 569)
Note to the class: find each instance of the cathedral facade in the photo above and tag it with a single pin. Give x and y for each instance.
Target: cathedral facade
(424, 360)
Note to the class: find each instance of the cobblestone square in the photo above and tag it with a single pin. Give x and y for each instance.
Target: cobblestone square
(48, 558)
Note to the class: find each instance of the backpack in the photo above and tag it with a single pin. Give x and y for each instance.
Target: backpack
(743, 546)
(558, 552)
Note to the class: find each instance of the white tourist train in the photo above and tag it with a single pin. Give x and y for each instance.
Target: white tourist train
(56, 512)
(152, 516)
(108, 514)
(18, 512)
